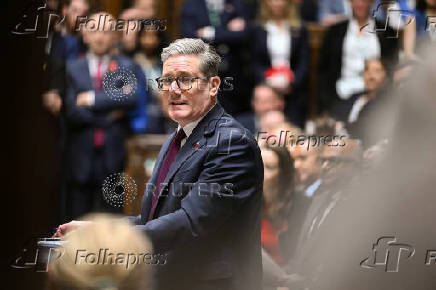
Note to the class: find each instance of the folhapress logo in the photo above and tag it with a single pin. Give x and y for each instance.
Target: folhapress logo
(386, 254)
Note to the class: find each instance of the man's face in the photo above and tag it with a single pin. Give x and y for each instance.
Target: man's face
(374, 75)
(361, 8)
(75, 9)
(265, 100)
(306, 163)
(185, 106)
(338, 162)
(99, 39)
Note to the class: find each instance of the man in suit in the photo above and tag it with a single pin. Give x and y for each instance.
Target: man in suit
(97, 121)
(201, 207)
(224, 24)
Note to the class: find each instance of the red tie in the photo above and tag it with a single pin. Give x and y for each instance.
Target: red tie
(166, 165)
(98, 80)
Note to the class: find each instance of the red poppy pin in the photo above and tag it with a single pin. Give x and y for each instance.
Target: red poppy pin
(113, 66)
(195, 146)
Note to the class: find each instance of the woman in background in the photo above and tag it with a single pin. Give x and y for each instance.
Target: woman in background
(281, 54)
(278, 190)
(147, 56)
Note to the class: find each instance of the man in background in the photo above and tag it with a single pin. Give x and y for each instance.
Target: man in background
(96, 120)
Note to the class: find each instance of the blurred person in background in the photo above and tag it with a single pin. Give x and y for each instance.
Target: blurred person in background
(422, 31)
(265, 99)
(271, 120)
(345, 48)
(66, 42)
(147, 56)
(97, 122)
(278, 189)
(378, 85)
(333, 11)
(307, 165)
(308, 184)
(111, 235)
(280, 54)
(224, 24)
(141, 10)
(340, 167)
(393, 203)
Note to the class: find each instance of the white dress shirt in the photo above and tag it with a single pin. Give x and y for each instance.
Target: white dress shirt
(93, 61)
(190, 127)
(278, 43)
(358, 46)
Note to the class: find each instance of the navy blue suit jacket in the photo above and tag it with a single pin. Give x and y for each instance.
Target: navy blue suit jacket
(82, 121)
(208, 216)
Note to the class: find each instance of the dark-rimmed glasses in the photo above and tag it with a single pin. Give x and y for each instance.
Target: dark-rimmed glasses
(184, 83)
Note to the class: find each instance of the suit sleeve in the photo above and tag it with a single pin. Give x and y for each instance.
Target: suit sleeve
(205, 208)
(75, 115)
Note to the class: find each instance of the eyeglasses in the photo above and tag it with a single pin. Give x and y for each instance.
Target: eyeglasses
(184, 83)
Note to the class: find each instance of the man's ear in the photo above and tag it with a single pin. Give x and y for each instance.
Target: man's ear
(214, 86)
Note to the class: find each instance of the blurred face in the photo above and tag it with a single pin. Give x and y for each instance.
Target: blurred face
(147, 6)
(338, 162)
(271, 120)
(265, 100)
(185, 106)
(374, 75)
(99, 40)
(361, 8)
(149, 41)
(277, 8)
(75, 9)
(271, 173)
(431, 3)
(306, 163)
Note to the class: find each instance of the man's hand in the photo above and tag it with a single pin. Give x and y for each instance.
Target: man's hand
(85, 99)
(236, 24)
(52, 101)
(72, 225)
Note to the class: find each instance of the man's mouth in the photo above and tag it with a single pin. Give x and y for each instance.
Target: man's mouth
(177, 103)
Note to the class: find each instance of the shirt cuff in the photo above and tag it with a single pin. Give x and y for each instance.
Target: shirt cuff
(91, 98)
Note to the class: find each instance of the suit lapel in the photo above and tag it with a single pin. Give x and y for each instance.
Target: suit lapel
(146, 205)
(89, 85)
(195, 142)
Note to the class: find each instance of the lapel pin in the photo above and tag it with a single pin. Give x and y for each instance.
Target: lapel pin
(195, 146)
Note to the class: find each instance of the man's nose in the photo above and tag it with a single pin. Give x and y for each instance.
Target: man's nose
(174, 88)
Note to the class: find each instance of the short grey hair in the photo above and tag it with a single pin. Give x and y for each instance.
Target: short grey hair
(209, 59)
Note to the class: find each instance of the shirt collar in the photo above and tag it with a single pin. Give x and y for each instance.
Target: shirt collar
(313, 187)
(93, 57)
(191, 126)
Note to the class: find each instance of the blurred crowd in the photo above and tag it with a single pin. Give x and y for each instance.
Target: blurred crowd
(368, 52)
